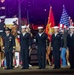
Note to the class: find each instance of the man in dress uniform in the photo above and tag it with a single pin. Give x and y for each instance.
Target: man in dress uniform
(9, 47)
(70, 44)
(25, 43)
(41, 45)
(56, 44)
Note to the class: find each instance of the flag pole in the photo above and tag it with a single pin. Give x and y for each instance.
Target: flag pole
(65, 34)
(28, 16)
(19, 10)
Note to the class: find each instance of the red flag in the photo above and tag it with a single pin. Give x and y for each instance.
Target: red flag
(50, 24)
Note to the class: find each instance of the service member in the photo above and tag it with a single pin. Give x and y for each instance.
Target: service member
(25, 43)
(9, 47)
(41, 45)
(70, 44)
(56, 44)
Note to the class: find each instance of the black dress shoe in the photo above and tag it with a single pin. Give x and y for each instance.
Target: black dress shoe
(71, 68)
(39, 68)
(7, 68)
(54, 68)
(25, 68)
(43, 68)
(11, 68)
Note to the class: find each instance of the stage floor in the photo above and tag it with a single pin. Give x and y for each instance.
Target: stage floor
(35, 71)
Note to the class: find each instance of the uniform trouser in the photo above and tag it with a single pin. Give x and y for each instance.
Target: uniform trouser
(25, 58)
(56, 57)
(63, 56)
(42, 58)
(9, 59)
(20, 57)
(71, 57)
(1, 33)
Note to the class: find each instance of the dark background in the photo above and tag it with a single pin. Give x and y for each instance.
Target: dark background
(38, 10)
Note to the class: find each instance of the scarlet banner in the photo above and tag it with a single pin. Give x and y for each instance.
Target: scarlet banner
(50, 24)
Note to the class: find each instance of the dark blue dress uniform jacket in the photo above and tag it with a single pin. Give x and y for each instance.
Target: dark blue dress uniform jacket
(41, 43)
(9, 46)
(25, 43)
(70, 45)
(8, 43)
(56, 44)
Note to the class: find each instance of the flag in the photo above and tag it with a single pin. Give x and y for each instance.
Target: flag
(71, 21)
(50, 24)
(64, 21)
